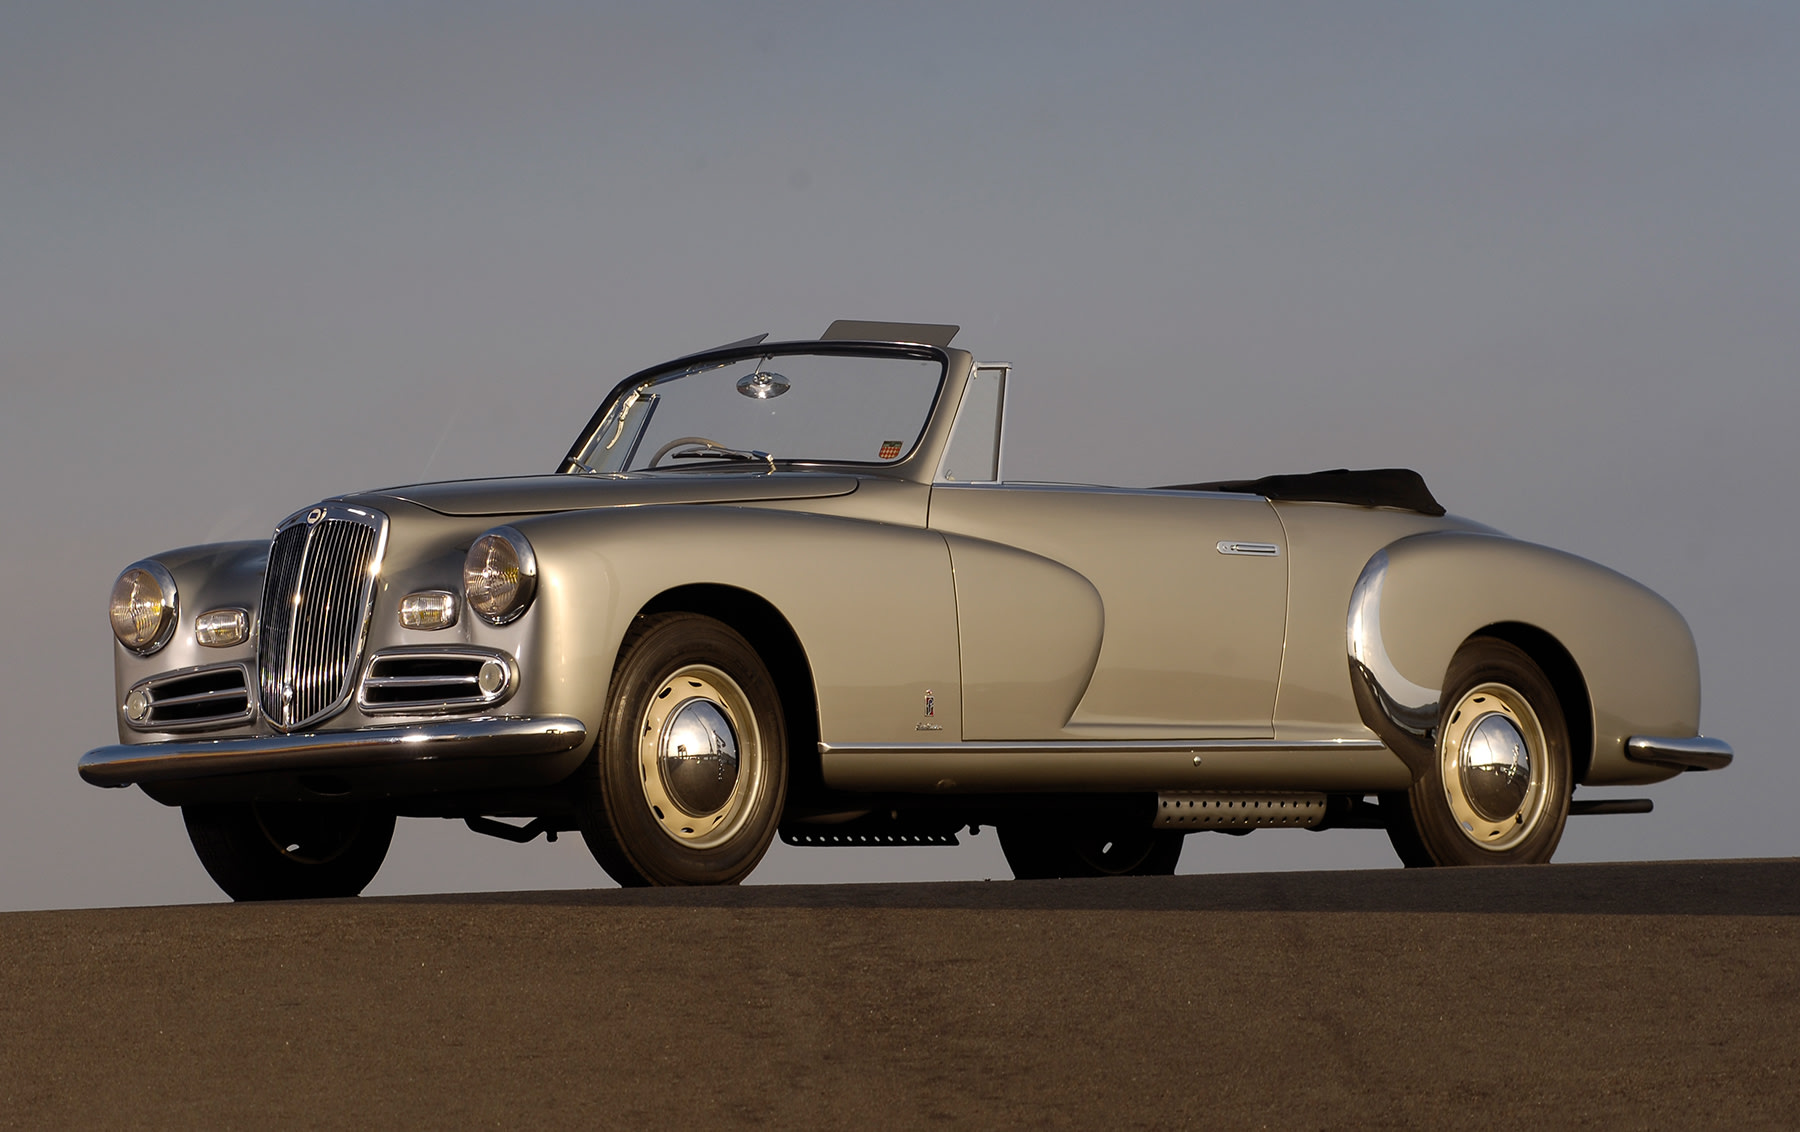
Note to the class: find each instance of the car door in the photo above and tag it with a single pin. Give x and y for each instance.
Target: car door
(1177, 632)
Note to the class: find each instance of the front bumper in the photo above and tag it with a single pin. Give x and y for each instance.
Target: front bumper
(411, 759)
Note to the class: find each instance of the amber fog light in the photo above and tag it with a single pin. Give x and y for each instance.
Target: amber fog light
(143, 607)
(500, 575)
(428, 609)
(222, 628)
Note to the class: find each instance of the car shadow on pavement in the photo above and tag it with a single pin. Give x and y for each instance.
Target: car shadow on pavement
(1683, 888)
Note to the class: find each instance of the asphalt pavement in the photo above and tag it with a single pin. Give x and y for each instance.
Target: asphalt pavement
(1632, 995)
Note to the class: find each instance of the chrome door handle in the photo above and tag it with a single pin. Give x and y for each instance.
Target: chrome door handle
(1252, 549)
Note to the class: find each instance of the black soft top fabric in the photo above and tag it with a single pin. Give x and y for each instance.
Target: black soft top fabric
(1368, 487)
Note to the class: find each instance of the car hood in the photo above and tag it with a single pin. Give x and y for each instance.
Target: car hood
(532, 495)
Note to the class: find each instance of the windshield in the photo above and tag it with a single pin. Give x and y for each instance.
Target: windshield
(779, 407)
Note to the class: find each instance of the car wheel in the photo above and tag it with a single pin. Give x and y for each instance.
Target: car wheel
(1043, 852)
(290, 850)
(688, 779)
(1498, 791)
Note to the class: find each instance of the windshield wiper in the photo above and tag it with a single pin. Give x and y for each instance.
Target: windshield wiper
(712, 454)
(720, 453)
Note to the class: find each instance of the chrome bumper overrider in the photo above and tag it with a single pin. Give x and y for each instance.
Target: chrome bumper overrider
(377, 747)
(1698, 753)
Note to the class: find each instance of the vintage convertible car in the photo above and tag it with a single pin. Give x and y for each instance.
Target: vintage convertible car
(785, 588)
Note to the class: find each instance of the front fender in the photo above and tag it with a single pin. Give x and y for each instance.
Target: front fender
(873, 606)
(224, 575)
(1420, 598)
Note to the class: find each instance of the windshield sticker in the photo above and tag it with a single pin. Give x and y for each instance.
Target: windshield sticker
(890, 449)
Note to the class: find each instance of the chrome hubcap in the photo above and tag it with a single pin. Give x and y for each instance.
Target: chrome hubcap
(1495, 767)
(700, 756)
(1490, 763)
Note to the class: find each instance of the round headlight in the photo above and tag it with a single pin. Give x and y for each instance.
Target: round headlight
(500, 575)
(143, 607)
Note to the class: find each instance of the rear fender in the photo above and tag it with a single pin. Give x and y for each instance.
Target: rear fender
(1419, 599)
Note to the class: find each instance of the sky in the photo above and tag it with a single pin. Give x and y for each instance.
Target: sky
(253, 255)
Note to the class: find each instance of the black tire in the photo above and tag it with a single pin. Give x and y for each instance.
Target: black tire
(1474, 805)
(290, 850)
(1046, 851)
(651, 811)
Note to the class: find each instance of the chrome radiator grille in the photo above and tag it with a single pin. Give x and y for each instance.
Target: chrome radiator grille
(315, 611)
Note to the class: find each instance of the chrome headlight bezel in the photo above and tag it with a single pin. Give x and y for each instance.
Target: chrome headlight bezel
(157, 573)
(500, 559)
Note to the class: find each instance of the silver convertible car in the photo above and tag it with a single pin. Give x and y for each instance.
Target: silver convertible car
(785, 589)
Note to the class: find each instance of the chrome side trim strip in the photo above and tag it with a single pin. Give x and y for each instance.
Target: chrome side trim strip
(1113, 767)
(126, 764)
(1698, 753)
(1103, 746)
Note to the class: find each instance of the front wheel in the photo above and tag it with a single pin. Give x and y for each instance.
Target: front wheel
(290, 850)
(687, 782)
(1498, 791)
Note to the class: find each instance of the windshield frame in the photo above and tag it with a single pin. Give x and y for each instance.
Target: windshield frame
(709, 359)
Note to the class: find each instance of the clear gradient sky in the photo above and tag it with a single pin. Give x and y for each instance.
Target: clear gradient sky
(254, 255)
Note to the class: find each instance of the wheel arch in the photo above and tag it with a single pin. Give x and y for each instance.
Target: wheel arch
(769, 632)
(1565, 678)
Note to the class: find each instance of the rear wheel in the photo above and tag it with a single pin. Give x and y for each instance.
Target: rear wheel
(687, 782)
(290, 850)
(1045, 851)
(1498, 791)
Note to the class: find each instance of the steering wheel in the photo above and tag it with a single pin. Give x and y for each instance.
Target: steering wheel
(681, 440)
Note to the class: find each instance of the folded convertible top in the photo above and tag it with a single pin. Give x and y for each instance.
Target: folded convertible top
(1369, 487)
